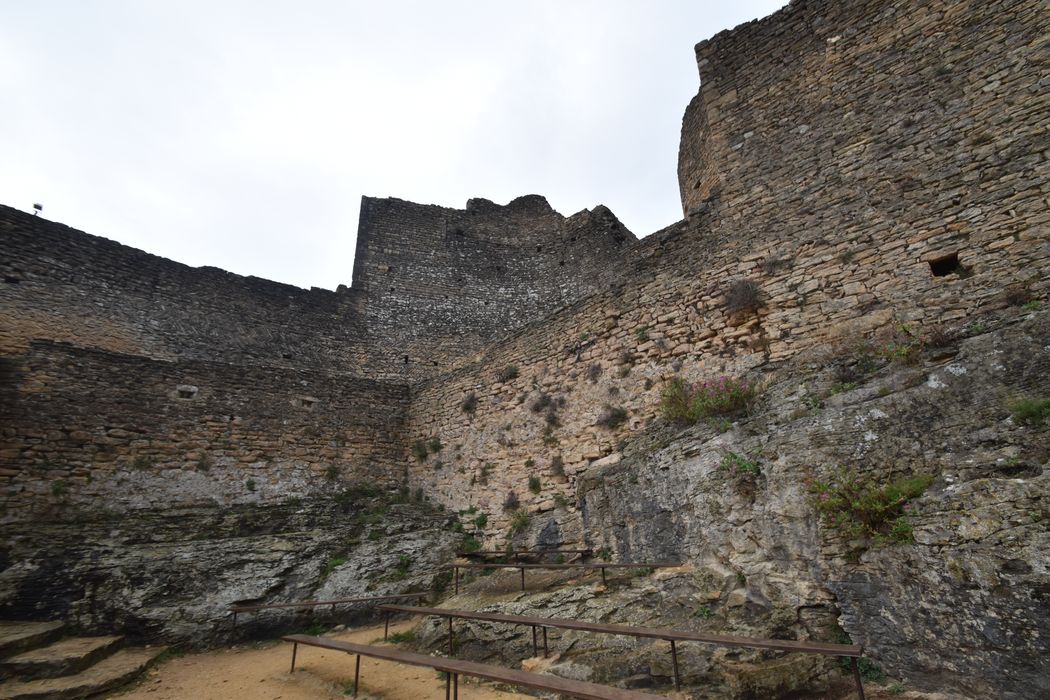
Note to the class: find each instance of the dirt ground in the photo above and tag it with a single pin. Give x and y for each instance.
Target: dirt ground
(261, 673)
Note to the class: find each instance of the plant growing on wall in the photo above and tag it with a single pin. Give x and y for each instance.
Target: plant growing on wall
(434, 445)
(557, 465)
(594, 370)
(1030, 412)
(738, 465)
(507, 374)
(519, 520)
(612, 416)
(742, 296)
(534, 484)
(723, 396)
(858, 507)
(469, 403)
(511, 502)
(541, 402)
(419, 450)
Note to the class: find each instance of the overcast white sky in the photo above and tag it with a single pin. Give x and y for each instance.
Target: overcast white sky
(242, 134)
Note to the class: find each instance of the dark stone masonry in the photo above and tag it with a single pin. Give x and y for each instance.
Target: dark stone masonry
(858, 168)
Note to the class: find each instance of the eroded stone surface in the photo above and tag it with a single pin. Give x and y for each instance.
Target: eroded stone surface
(107, 674)
(172, 576)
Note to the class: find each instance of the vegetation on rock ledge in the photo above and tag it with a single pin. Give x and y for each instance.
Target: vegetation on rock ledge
(858, 507)
(689, 403)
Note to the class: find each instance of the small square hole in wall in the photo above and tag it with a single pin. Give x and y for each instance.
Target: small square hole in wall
(186, 391)
(307, 402)
(946, 265)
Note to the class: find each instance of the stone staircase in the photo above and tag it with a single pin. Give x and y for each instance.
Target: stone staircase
(38, 661)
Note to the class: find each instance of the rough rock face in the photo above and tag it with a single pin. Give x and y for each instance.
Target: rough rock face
(171, 576)
(964, 607)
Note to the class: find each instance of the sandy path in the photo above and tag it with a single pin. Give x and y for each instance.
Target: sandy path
(261, 673)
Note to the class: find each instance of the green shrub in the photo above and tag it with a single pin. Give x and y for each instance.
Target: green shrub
(250, 484)
(858, 507)
(330, 566)
(612, 416)
(434, 445)
(1030, 412)
(470, 544)
(903, 344)
(519, 520)
(642, 334)
(59, 488)
(869, 670)
(1033, 305)
(507, 373)
(481, 520)
(401, 568)
(530, 463)
(469, 403)
(401, 637)
(689, 403)
(419, 450)
(534, 484)
(704, 612)
(738, 465)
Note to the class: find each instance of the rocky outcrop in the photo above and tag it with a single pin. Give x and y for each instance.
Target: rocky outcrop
(952, 599)
(172, 575)
(963, 606)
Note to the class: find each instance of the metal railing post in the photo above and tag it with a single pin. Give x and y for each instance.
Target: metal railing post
(674, 663)
(856, 676)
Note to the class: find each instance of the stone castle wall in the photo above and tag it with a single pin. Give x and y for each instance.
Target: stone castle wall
(138, 326)
(864, 164)
(96, 431)
(65, 285)
(441, 283)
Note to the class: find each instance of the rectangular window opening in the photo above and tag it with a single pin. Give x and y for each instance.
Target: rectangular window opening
(946, 265)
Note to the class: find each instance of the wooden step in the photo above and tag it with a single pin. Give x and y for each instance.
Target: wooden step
(17, 636)
(62, 658)
(111, 672)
